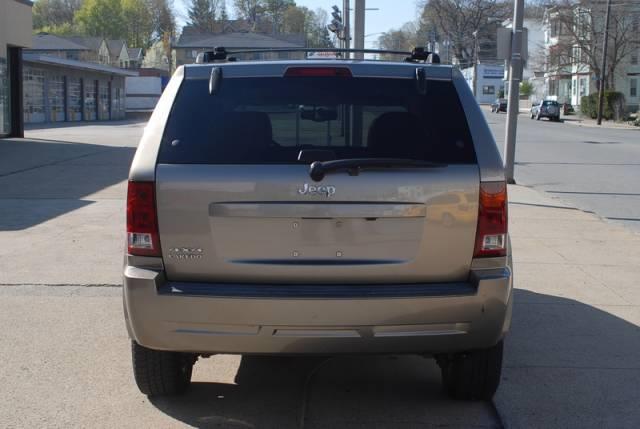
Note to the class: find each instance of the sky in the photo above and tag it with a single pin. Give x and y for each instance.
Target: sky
(391, 14)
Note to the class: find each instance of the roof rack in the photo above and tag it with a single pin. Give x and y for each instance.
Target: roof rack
(220, 53)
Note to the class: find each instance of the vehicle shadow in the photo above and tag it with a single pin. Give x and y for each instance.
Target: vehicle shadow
(569, 364)
(314, 392)
(548, 332)
(43, 179)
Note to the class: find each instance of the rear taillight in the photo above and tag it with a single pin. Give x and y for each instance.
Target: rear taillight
(318, 72)
(142, 220)
(491, 235)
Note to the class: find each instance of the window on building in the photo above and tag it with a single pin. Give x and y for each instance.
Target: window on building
(5, 99)
(583, 86)
(488, 89)
(634, 58)
(633, 87)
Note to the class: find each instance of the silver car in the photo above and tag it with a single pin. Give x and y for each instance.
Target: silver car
(317, 207)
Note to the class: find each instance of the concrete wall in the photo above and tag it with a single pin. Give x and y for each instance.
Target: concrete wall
(15, 25)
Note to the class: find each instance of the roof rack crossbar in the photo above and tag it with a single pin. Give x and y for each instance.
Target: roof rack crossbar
(220, 53)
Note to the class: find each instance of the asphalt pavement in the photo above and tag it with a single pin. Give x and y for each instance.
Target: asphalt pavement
(594, 168)
(570, 360)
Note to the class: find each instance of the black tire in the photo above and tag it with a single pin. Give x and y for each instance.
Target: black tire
(473, 375)
(161, 373)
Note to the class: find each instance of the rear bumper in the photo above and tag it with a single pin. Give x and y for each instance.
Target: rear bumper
(291, 319)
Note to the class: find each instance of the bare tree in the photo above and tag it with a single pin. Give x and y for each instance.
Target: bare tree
(579, 29)
(466, 24)
(251, 10)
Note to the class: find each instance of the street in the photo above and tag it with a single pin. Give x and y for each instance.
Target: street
(594, 169)
(570, 358)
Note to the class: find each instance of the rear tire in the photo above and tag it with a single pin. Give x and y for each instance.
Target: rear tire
(473, 375)
(161, 373)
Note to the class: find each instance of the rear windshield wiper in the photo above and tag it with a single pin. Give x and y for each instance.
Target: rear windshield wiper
(318, 169)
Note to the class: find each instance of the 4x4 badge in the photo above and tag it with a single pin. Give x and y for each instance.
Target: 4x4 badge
(326, 190)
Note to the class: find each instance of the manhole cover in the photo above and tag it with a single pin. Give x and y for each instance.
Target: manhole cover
(594, 142)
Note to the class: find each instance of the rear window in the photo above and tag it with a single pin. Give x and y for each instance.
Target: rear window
(270, 120)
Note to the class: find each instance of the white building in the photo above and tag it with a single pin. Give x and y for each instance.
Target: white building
(490, 82)
(568, 76)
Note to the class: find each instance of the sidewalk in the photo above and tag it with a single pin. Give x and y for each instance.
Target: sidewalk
(571, 358)
(588, 122)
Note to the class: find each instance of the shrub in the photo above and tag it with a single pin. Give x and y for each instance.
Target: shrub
(526, 88)
(613, 106)
(587, 106)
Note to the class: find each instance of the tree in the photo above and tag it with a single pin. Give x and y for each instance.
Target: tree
(102, 18)
(251, 10)
(164, 21)
(579, 28)
(275, 11)
(164, 24)
(526, 88)
(399, 39)
(465, 24)
(302, 20)
(224, 17)
(203, 14)
(139, 23)
(54, 13)
(295, 19)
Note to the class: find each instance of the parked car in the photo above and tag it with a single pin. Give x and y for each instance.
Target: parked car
(499, 105)
(257, 225)
(546, 109)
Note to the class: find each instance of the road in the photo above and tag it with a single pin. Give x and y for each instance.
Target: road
(594, 169)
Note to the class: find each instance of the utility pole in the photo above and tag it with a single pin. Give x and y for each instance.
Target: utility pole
(513, 106)
(603, 72)
(475, 65)
(347, 26)
(358, 33)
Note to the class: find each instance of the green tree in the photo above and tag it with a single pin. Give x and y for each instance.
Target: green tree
(139, 22)
(294, 20)
(66, 29)
(203, 14)
(526, 88)
(102, 18)
(275, 10)
(54, 13)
